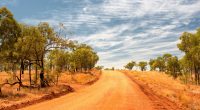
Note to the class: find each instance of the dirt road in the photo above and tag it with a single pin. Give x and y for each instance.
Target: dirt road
(113, 91)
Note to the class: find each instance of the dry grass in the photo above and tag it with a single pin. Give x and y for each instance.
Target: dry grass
(80, 78)
(162, 84)
(11, 95)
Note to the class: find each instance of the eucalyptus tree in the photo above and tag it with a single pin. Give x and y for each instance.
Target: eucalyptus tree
(9, 33)
(152, 65)
(27, 45)
(130, 65)
(24, 47)
(83, 58)
(58, 61)
(190, 44)
(160, 64)
(49, 40)
(173, 66)
(142, 65)
(166, 58)
(99, 67)
(186, 69)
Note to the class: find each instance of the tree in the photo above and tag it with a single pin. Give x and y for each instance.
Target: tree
(152, 64)
(160, 64)
(186, 69)
(99, 67)
(59, 61)
(173, 66)
(190, 44)
(130, 65)
(9, 33)
(142, 65)
(166, 58)
(49, 40)
(23, 46)
(83, 58)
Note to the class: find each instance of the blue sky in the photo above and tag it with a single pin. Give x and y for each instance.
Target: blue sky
(119, 30)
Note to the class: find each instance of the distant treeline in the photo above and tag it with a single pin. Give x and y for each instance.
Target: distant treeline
(186, 68)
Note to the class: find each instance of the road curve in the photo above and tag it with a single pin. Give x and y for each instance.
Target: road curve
(113, 91)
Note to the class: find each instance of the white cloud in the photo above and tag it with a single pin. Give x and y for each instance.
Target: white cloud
(124, 30)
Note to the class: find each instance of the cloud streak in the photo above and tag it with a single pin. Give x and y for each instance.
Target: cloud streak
(123, 30)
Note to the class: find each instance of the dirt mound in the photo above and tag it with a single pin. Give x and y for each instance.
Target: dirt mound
(67, 89)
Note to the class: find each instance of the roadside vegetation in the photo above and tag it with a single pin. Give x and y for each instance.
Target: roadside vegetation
(176, 79)
(36, 58)
(186, 68)
(163, 90)
(40, 62)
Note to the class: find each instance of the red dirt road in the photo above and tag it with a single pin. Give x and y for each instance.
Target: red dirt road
(113, 91)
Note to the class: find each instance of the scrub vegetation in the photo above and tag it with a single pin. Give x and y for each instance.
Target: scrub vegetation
(35, 57)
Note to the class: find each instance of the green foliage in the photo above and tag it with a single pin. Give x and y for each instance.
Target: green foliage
(142, 65)
(167, 63)
(29, 42)
(173, 66)
(99, 67)
(23, 45)
(190, 44)
(166, 57)
(83, 57)
(152, 64)
(160, 63)
(9, 33)
(130, 65)
(188, 67)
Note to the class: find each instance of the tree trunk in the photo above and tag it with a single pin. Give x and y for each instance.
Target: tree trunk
(190, 69)
(20, 77)
(42, 78)
(196, 74)
(42, 83)
(30, 74)
(21, 72)
(57, 78)
(36, 73)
